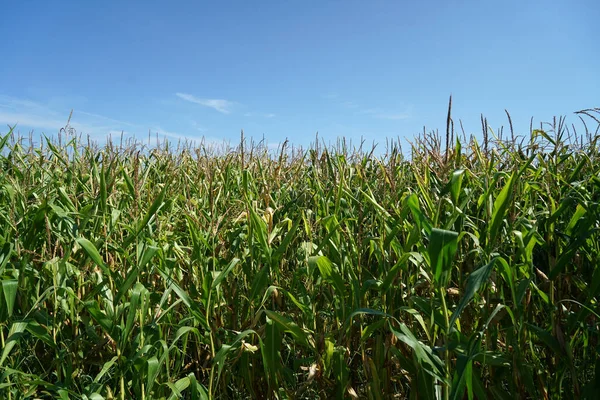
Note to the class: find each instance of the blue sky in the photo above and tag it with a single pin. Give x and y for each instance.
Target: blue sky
(371, 69)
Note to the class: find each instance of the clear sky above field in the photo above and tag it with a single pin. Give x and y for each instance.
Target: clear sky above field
(281, 69)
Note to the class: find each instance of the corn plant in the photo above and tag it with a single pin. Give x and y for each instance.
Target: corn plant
(149, 271)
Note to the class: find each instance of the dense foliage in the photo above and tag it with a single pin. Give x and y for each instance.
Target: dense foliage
(469, 271)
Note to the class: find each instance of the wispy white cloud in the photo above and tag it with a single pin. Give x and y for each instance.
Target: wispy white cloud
(98, 116)
(16, 104)
(220, 105)
(29, 114)
(40, 117)
(262, 115)
(30, 120)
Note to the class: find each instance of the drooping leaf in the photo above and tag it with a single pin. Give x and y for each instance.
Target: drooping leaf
(477, 279)
(289, 326)
(101, 318)
(225, 349)
(223, 274)
(328, 272)
(93, 254)
(14, 335)
(425, 357)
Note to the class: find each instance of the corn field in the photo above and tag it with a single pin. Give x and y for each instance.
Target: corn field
(464, 270)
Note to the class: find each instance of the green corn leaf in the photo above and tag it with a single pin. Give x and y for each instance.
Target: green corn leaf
(412, 201)
(442, 248)
(369, 196)
(500, 206)
(280, 251)
(128, 182)
(419, 319)
(9, 288)
(223, 274)
(198, 391)
(454, 185)
(579, 213)
(547, 338)
(259, 282)
(185, 297)
(7, 250)
(134, 304)
(341, 371)
(93, 254)
(289, 326)
(259, 227)
(42, 333)
(103, 190)
(156, 205)
(425, 357)
(193, 306)
(270, 352)
(225, 349)
(56, 152)
(14, 335)
(575, 174)
(66, 200)
(105, 368)
(178, 387)
(477, 279)
(329, 274)
(367, 311)
(585, 232)
(131, 277)
(370, 329)
(542, 133)
(462, 378)
(393, 272)
(305, 309)
(101, 318)
(153, 368)
(4, 140)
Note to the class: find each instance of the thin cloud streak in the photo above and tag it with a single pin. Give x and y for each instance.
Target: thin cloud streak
(32, 115)
(220, 105)
(89, 114)
(262, 115)
(30, 120)
(15, 104)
